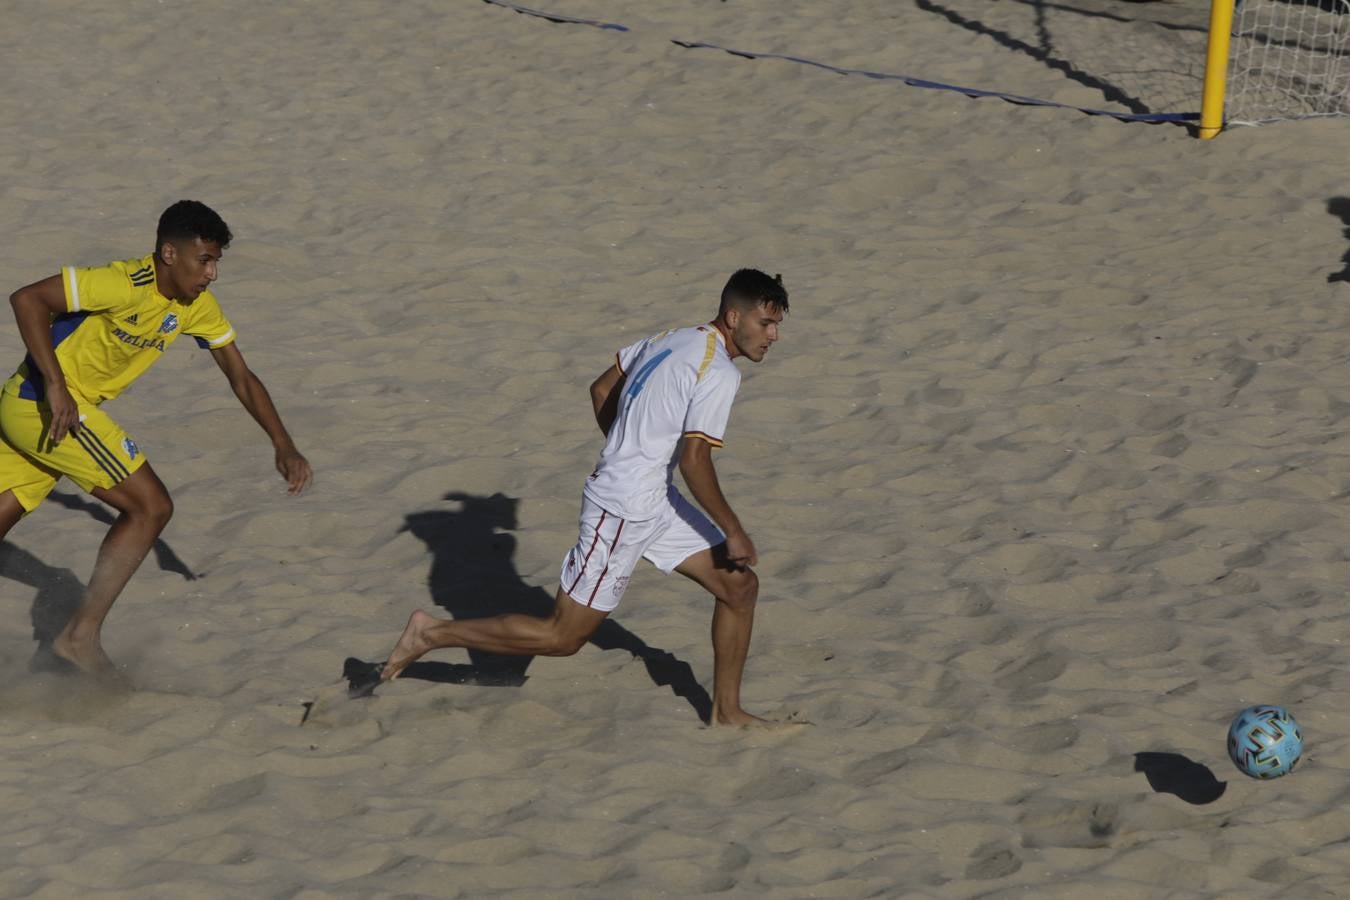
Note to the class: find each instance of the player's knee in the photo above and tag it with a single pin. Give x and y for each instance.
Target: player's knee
(157, 509)
(564, 645)
(163, 509)
(741, 589)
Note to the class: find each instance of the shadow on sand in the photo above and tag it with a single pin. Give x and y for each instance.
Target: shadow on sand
(1340, 208)
(1172, 773)
(1043, 52)
(473, 576)
(59, 591)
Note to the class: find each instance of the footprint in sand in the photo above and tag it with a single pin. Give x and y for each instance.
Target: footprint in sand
(992, 860)
(1036, 671)
(1070, 824)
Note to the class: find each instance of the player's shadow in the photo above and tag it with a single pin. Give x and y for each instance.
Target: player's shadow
(168, 560)
(473, 576)
(58, 590)
(1172, 773)
(1340, 208)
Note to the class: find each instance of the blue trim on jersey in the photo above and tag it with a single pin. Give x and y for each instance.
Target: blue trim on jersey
(63, 326)
(640, 380)
(202, 342)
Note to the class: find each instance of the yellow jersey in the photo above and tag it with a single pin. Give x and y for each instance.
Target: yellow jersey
(116, 326)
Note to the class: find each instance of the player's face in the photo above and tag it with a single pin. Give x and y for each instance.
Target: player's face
(756, 331)
(192, 267)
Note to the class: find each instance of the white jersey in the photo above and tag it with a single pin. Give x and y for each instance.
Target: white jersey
(677, 384)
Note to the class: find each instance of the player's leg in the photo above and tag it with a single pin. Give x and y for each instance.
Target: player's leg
(560, 634)
(735, 591)
(102, 459)
(693, 546)
(593, 579)
(144, 508)
(24, 482)
(11, 511)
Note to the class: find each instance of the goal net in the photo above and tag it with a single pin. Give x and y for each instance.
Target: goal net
(1288, 61)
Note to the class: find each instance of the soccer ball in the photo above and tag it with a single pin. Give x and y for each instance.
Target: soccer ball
(1265, 741)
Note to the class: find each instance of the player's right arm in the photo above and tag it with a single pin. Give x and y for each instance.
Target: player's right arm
(34, 305)
(696, 466)
(605, 393)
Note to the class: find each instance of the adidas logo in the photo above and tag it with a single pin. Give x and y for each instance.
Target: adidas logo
(132, 319)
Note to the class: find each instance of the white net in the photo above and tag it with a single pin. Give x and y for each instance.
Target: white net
(1288, 61)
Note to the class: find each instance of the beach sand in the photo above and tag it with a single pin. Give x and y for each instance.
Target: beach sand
(1048, 473)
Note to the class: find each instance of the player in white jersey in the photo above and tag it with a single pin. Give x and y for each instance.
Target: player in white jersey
(662, 405)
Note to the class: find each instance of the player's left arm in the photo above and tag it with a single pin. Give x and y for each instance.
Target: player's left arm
(254, 397)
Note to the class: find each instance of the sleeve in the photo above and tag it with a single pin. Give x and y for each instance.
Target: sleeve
(207, 324)
(710, 407)
(624, 358)
(95, 290)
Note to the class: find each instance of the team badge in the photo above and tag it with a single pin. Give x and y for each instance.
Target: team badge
(620, 584)
(169, 324)
(130, 446)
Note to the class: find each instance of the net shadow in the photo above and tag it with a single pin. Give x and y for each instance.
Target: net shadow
(1044, 54)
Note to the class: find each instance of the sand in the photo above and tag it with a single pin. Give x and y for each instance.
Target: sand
(1047, 474)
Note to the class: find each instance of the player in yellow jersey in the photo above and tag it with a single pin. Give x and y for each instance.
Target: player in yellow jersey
(89, 334)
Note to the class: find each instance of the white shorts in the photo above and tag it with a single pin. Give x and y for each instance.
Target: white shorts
(595, 572)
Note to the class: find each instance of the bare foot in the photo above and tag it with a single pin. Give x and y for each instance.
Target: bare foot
(411, 644)
(738, 718)
(88, 657)
(742, 719)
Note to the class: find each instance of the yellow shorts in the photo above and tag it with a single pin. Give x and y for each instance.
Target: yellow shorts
(98, 453)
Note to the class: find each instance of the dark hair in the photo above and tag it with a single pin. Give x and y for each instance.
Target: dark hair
(188, 219)
(748, 289)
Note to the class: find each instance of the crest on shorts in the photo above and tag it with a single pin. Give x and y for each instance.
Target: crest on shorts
(620, 585)
(169, 324)
(130, 446)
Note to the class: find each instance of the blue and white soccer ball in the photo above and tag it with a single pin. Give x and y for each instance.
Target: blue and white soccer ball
(1265, 741)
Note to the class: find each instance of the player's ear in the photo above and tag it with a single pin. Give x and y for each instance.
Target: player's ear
(732, 317)
(168, 252)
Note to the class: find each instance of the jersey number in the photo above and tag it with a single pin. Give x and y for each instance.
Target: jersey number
(640, 379)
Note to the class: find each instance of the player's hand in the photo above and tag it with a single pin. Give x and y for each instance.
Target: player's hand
(741, 550)
(65, 413)
(294, 468)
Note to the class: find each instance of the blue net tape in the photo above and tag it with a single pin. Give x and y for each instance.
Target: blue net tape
(556, 17)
